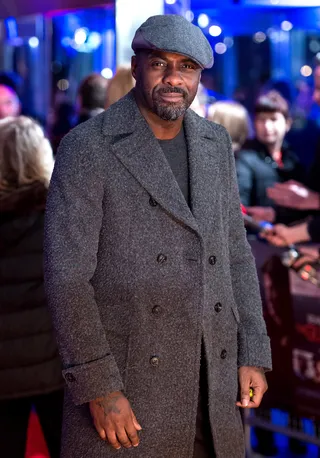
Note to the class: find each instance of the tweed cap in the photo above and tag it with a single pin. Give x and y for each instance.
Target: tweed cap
(173, 33)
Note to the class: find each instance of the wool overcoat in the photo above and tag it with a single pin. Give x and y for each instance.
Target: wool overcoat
(136, 279)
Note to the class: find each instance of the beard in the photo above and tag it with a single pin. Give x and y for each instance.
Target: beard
(170, 111)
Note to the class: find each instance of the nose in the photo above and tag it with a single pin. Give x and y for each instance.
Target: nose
(172, 76)
(268, 125)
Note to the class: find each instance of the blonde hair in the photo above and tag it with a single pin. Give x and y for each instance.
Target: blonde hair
(25, 153)
(119, 85)
(234, 117)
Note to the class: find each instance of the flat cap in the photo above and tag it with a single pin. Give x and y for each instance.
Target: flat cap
(173, 33)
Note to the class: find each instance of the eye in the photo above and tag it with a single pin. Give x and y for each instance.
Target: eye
(158, 64)
(188, 66)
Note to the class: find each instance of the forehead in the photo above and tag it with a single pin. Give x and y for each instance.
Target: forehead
(169, 56)
(7, 92)
(269, 115)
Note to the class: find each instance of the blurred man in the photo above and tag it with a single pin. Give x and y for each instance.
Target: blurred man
(150, 279)
(266, 159)
(9, 102)
(92, 94)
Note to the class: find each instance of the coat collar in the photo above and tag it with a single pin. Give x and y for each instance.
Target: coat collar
(136, 147)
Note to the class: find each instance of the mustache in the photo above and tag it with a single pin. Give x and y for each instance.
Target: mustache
(172, 90)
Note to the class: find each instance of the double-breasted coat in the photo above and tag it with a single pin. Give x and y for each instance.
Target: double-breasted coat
(136, 279)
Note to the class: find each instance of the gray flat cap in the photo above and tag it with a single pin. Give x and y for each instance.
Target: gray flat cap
(173, 33)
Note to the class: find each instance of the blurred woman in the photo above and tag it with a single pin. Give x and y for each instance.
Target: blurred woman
(30, 372)
(119, 85)
(234, 117)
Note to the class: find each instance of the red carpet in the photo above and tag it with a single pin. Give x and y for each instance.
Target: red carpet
(36, 446)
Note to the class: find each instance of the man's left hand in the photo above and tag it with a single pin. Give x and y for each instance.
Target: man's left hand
(254, 378)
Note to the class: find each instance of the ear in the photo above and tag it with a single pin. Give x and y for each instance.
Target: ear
(134, 66)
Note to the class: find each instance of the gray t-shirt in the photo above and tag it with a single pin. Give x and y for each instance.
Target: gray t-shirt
(176, 152)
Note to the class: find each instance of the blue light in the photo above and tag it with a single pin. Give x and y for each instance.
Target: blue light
(80, 36)
(33, 42)
(107, 73)
(215, 31)
(203, 21)
(94, 40)
(11, 27)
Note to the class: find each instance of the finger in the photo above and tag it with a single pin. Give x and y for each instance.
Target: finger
(132, 434)
(123, 437)
(257, 397)
(100, 431)
(112, 439)
(135, 422)
(245, 392)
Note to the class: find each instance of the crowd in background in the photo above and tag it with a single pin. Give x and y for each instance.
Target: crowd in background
(275, 185)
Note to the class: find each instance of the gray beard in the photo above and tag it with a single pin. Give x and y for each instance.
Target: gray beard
(169, 112)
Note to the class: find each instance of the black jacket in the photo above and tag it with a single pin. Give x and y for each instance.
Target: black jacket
(257, 171)
(29, 362)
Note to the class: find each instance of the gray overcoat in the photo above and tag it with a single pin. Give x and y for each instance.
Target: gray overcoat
(135, 279)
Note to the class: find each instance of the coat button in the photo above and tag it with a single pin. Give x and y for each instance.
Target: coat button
(152, 202)
(156, 310)
(218, 307)
(212, 260)
(223, 354)
(70, 377)
(154, 361)
(161, 258)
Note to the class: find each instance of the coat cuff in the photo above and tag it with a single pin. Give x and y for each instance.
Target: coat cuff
(254, 350)
(92, 380)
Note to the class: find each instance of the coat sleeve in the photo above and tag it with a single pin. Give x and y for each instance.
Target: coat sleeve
(245, 180)
(253, 341)
(73, 221)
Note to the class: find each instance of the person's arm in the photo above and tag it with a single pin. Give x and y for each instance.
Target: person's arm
(254, 344)
(73, 222)
(281, 235)
(245, 180)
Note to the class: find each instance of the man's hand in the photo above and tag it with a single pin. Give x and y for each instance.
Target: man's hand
(262, 214)
(254, 378)
(293, 194)
(115, 421)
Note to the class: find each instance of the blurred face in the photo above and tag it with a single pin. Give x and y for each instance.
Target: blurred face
(271, 128)
(316, 93)
(9, 102)
(166, 83)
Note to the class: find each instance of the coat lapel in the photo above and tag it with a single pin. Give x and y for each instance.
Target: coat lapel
(204, 166)
(139, 151)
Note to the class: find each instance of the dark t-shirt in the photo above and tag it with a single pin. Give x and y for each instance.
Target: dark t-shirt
(176, 152)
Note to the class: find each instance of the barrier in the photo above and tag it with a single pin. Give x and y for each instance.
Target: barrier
(291, 309)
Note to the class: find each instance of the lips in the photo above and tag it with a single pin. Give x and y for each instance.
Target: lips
(171, 96)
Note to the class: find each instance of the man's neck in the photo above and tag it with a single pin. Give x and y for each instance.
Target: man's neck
(163, 130)
(274, 149)
(276, 153)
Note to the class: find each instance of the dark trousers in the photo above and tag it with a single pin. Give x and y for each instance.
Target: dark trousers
(14, 417)
(203, 443)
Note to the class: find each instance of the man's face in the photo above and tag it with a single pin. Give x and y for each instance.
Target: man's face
(166, 82)
(271, 128)
(9, 102)
(316, 92)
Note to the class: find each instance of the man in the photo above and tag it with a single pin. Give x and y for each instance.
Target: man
(92, 95)
(9, 100)
(267, 160)
(148, 267)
